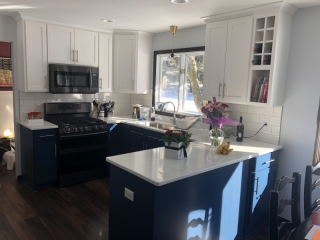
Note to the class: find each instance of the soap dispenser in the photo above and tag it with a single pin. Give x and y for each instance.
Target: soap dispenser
(153, 114)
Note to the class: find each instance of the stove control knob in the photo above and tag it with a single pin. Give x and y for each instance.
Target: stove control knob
(80, 129)
(95, 127)
(67, 130)
(75, 129)
(85, 128)
(101, 126)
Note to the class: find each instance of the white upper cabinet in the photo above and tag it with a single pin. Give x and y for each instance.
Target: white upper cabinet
(132, 57)
(237, 60)
(227, 59)
(246, 57)
(60, 44)
(72, 46)
(105, 62)
(32, 60)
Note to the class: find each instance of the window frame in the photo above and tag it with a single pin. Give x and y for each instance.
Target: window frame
(161, 52)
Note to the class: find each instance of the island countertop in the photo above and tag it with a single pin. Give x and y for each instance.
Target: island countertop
(153, 167)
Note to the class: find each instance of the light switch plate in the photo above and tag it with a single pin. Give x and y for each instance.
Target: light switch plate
(129, 194)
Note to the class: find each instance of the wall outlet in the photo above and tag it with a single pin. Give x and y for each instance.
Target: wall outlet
(265, 120)
(129, 194)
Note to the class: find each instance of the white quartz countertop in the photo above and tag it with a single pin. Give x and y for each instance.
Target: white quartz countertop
(154, 167)
(39, 126)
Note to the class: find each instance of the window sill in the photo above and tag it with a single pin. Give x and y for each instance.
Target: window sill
(178, 115)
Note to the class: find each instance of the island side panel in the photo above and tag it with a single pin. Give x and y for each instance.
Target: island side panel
(217, 197)
(127, 219)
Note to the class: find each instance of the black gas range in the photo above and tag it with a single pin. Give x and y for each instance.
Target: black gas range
(82, 142)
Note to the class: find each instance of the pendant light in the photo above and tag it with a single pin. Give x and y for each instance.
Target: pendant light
(171, 61)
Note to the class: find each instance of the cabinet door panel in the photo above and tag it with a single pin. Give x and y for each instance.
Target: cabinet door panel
(237, 59)
(60, 44)
(36, 57)
(86, 47)
(45, 162)
(105, 62)
(124, 63)
(215, 55)
(258, 211)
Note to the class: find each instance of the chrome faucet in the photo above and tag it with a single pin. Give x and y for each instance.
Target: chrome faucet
(174, 111)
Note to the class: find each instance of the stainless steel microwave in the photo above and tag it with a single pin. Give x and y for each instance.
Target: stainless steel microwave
(73, 79)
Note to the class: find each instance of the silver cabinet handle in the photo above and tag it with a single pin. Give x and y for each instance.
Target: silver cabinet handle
(256, 191)
(219, 90)
(55, 150)
(72, 55)
(77, 55)
(155, 138)
(47, 136)
(223, 94)
(270, 161)
(100, 83)
(136, 133)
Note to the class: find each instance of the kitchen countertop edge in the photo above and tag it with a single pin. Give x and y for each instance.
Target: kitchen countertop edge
(45, 125)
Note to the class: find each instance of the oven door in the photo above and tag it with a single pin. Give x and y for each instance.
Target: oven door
(82, 158)
(72, 79)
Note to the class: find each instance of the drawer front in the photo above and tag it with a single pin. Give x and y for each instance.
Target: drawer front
(45, 135)
(264, 161)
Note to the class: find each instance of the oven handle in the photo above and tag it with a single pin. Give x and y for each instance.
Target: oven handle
(82, 149)
(86, 134)
(90, 86)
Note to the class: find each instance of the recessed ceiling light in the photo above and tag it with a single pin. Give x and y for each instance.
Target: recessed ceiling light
(107, 20)
(179, 1)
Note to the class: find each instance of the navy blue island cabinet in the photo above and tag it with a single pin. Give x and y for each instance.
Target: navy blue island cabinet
(38, 157)
(222, 204)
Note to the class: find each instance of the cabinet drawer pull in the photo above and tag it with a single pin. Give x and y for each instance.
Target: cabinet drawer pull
(155, 138)
(256, 191)
(136, 133)
(55, 150)
(100, 83)
(223, 88)
(266, 162)
(47, 136)
(219, 90)
(72, 56)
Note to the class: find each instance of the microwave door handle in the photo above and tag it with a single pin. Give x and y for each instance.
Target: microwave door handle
(90, 86)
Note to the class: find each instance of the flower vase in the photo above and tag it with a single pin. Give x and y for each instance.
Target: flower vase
(216, 137)
(175, 151)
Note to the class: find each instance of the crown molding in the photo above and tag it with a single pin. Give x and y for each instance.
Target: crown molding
(130, 32)
(25, 16)
(272, 7)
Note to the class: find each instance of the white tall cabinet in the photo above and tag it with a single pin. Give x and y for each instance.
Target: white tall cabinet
(227, 59)
(132, 61)
(105, 62)
(72, 46)
(32, 60)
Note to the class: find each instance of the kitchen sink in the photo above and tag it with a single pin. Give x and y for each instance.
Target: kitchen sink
(161, 126)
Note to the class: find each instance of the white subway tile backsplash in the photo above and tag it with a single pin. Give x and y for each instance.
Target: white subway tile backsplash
(274, 121)
(260, 110)
(268, 138)
(275, 130)
(124, 100)
(277, 112)
(250, 117)
(256, 126)
(250, 134)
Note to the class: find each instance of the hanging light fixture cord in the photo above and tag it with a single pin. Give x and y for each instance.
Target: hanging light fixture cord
(172, 45)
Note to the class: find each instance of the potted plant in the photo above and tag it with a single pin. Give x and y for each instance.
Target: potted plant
(176, 142)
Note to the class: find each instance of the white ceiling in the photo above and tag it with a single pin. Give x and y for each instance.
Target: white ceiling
(145, 15)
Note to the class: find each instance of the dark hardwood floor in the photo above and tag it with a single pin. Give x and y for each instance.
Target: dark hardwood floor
(75, 212)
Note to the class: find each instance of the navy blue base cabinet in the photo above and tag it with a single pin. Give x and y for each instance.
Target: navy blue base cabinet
(38, 157)
(227, 203)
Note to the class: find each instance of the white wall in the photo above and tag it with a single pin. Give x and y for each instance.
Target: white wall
(7, 34)
(298, 127)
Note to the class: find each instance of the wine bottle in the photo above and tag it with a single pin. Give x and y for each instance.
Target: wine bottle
(240, 129)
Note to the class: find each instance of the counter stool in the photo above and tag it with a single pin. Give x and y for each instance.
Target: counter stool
(9, 158)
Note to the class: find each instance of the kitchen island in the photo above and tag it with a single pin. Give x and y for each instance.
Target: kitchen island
(206, 195)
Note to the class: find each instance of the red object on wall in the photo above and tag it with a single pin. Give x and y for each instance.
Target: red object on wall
(5, 49)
